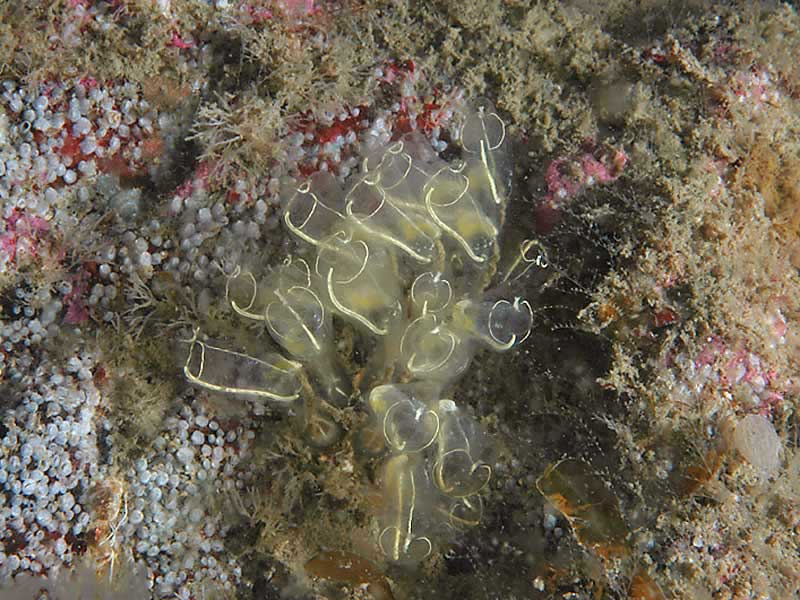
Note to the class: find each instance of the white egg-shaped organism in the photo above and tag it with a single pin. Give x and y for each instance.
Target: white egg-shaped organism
(757, 441)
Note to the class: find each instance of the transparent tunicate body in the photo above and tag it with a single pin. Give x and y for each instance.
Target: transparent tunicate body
(402, 255)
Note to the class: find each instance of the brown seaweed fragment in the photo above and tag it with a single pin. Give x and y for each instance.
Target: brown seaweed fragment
(589, 506)
(644, 587)
(348, 568)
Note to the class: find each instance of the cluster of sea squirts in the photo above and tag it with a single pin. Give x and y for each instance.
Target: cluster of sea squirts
(404, 254)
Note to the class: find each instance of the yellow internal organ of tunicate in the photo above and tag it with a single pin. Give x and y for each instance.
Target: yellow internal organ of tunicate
(294, 313)
(431, 350)
(454, 210)
(297, 322)
(296, 317)
(476, 229)
(402, 483)
(360, 281)
(385, 220)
